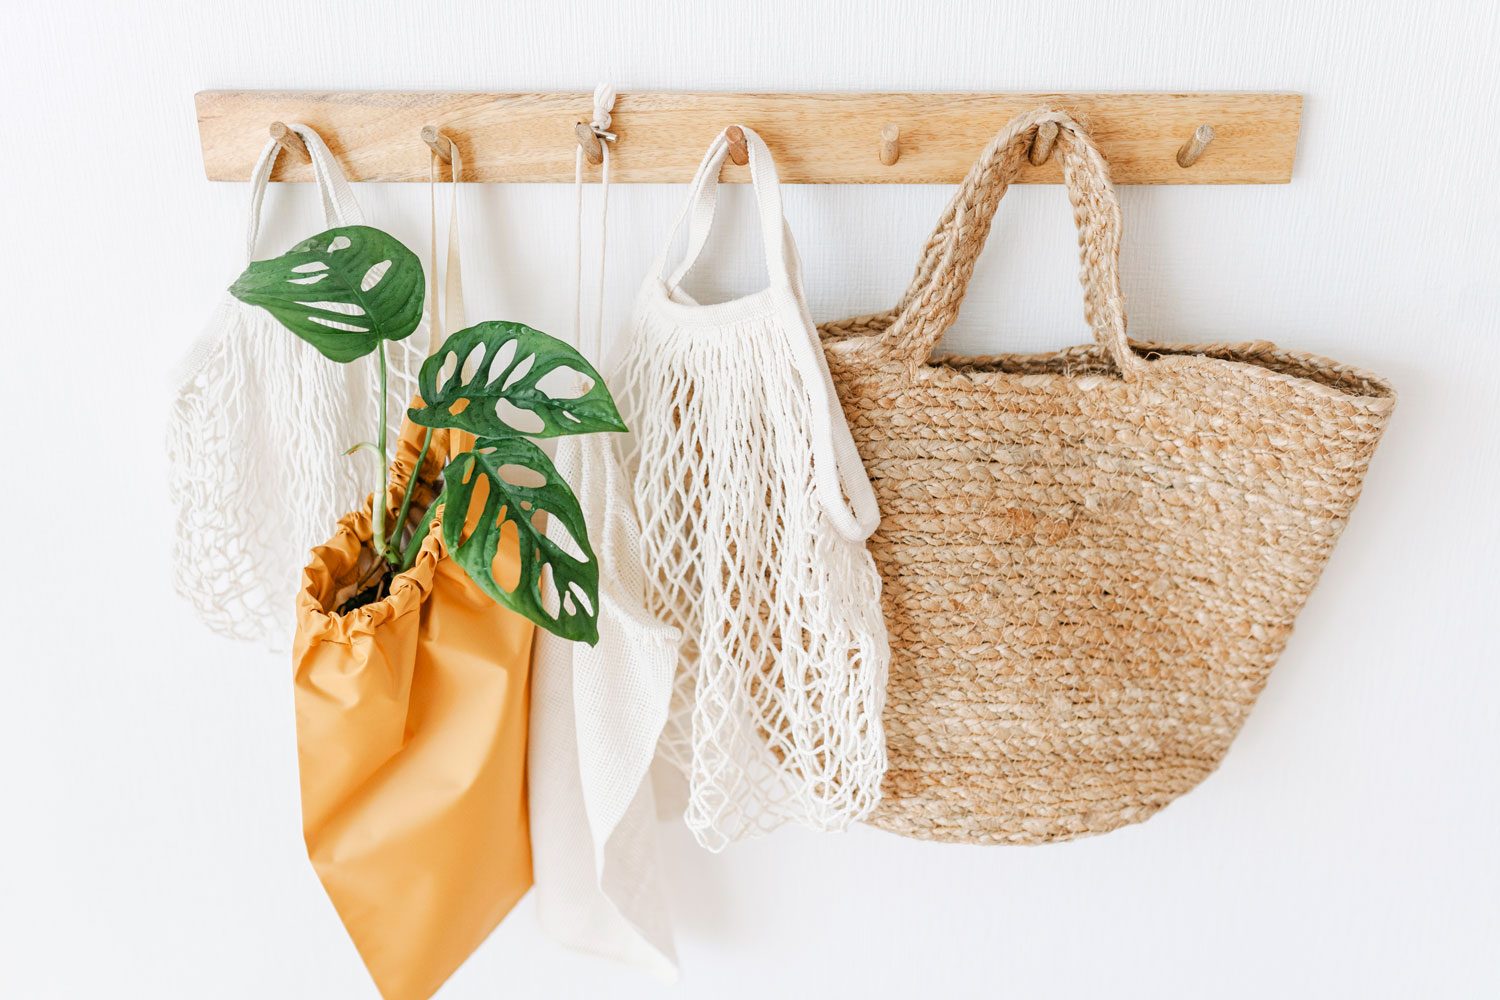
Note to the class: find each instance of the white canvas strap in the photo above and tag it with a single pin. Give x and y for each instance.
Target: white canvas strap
(843, 488)
(703, 201)
(339, 205)
(701, 205)
(604, 100)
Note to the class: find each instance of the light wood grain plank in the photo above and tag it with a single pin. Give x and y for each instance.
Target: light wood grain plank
(817, 138)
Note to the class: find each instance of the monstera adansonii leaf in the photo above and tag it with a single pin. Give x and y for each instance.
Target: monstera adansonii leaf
(483, 472)
(343, 291)
(502, 379)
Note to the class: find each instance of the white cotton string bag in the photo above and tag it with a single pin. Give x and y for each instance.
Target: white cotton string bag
(597, 712)
(754, 511)
(256, 438)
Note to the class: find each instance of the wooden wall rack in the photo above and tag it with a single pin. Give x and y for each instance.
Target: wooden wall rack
(818, 138)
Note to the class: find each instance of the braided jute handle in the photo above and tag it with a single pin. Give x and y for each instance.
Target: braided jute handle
(937, 289)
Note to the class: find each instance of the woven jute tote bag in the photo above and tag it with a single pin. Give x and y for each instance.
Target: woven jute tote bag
(1091, 558)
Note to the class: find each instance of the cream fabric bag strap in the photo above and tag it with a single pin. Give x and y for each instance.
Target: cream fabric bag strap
(843, 488)
(937, 289)
(449, 315)
(339, 206)
(339, 209)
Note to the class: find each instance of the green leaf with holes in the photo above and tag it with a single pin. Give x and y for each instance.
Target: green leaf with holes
(503, 379)
(483, 473)
(343, 291)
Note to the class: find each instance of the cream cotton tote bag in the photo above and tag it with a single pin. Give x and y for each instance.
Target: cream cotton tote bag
(256, 440)
(597, 712)
(754, 511)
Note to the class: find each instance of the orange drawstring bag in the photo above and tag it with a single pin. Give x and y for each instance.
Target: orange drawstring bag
(411, 741)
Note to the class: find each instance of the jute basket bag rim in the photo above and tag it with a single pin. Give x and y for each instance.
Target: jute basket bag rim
(1091, 558)
(912, 329)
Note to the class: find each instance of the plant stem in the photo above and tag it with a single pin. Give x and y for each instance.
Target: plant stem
(411, 485)
(370, 574)
(415, 545)
(377, 524)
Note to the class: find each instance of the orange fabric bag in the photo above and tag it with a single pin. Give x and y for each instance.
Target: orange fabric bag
(411, 741)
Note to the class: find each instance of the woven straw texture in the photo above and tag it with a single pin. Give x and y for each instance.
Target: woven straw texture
(1091, 558)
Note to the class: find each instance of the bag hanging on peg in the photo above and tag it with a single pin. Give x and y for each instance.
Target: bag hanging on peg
(739, 155)
(440, 144)
(1041, 145)
(597, 712)
(593, 134)
(412, 722)
(257, 435)
(1092, 557)
(755, 509)
(289, 141)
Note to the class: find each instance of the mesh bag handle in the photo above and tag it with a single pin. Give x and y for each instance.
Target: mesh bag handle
(699, 211)
(844, 490)
(334, 190)
(937, 289)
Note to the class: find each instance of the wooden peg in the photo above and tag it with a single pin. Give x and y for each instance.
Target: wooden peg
(289, 140)
(890, 144)
(1041, 146)
(440, 143)
(738, 151)
(1194, 147)
(593, 151)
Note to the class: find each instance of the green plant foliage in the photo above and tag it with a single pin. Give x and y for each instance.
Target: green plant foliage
(576, 580)
(349, 290)
(343, 291)
(492, 371)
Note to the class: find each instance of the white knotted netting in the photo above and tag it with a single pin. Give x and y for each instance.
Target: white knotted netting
(741, 464)
(256, 437)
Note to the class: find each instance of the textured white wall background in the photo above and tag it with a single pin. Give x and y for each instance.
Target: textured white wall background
(150, 846)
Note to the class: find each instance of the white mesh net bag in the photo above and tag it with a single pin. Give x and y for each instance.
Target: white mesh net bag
(754, 511)
(256, 440)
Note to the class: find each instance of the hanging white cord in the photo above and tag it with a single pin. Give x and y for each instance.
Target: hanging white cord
(447, 315)
(604, 103)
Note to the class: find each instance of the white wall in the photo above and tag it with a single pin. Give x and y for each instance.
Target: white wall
(150, 844)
